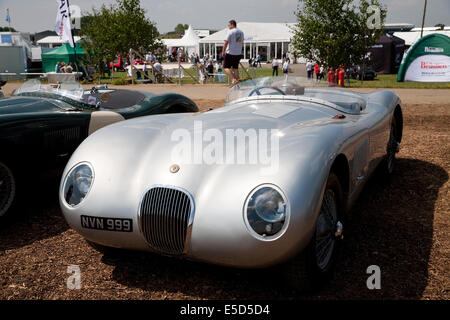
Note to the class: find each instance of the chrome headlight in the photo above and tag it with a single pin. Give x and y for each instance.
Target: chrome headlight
(266, 212)
(78, 184)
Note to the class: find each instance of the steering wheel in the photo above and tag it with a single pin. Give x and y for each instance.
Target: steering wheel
(258, 92)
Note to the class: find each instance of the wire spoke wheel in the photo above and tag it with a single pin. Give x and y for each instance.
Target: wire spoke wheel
(391, 149)
(7, 189)
(325, 230)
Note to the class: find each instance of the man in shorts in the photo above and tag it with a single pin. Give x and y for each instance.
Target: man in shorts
(232, 51)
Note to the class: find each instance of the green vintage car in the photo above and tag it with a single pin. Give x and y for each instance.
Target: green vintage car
(42, 125)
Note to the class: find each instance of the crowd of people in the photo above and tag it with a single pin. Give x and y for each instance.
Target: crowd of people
(317, 72)
(286, 66)
(227, 63)
(62, 67)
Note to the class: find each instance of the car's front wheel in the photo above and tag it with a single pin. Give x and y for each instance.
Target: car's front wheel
(314, 266)
(8, 189)
(391, 149)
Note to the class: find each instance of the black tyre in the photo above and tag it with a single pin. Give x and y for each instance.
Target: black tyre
(315, 265)
(391, 149)
(8, 189)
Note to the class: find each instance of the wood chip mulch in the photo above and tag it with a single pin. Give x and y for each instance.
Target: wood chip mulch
(402, 226)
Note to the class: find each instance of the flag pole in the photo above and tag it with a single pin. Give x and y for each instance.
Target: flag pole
(73, 38)
(423, 18)
(9, 19)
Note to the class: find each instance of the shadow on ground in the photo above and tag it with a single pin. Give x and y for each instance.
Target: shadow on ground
(37, 216)
(391, 226)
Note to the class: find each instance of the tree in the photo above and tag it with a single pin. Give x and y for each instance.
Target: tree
(332, 32)
(112, 31)
(180, 28)
(7, 29)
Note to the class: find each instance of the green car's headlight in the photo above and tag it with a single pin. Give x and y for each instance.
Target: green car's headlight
(78, 184)
(266, 211)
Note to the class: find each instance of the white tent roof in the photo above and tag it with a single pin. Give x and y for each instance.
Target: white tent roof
(412, 36)
(190, 39)
(54, 40)
(256, 32)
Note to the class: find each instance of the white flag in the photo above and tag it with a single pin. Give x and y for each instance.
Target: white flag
(63, 27)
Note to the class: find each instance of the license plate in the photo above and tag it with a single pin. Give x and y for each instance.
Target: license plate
(107, 224)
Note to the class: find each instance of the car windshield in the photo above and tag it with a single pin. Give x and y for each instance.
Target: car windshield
(296, 87)
(70, 92)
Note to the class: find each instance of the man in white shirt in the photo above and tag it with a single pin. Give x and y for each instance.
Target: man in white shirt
(232, 51)
(158, 71)
(309, 69)
(275, 66)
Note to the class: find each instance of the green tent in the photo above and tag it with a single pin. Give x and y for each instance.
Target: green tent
(428, 60)
(65, 53)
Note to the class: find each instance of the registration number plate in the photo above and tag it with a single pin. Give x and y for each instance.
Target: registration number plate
(107, 224)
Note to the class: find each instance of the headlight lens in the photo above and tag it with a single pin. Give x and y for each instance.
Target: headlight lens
(266, 211)
(78, 184)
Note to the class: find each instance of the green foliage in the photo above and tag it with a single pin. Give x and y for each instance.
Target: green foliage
(113, 30)
(119, 82)
(7, 29)
(180, 28)
(333, 32)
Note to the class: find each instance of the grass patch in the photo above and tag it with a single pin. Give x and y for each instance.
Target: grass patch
(390, 81)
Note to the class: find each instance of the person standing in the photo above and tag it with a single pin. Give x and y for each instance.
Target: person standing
(317, 71)
(232, 51)
(286, 67)
(321, 73)
(258, 60)
(309, 68)
(275, 66)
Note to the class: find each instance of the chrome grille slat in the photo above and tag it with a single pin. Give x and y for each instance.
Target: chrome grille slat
(165, 214)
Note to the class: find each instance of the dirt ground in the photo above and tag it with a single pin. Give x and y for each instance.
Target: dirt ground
(402, 226)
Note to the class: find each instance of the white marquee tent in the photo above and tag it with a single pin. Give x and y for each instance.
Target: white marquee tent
(190, 42)
(412, 36)
(270, 40)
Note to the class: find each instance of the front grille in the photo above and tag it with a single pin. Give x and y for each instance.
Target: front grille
(165, 215)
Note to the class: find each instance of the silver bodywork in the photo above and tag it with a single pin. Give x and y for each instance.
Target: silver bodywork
(131, 157)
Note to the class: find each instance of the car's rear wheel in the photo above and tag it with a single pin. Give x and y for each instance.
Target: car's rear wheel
(391, 149)
(314, 266)
(8, 189)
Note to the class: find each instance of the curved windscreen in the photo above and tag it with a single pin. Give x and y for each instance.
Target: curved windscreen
(72, 90)
(78, 98)
(296, 87)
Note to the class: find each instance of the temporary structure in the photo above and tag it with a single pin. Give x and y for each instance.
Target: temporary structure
(267, 39)
(428, 60)
(190, 42)
(412, 36)
(65, 53)
(387, 54)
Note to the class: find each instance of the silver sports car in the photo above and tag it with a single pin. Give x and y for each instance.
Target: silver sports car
(265, 180)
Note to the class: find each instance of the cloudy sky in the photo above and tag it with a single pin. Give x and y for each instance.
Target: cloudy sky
(39, 15)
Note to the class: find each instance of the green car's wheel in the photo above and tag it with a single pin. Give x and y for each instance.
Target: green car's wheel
(7, 189)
